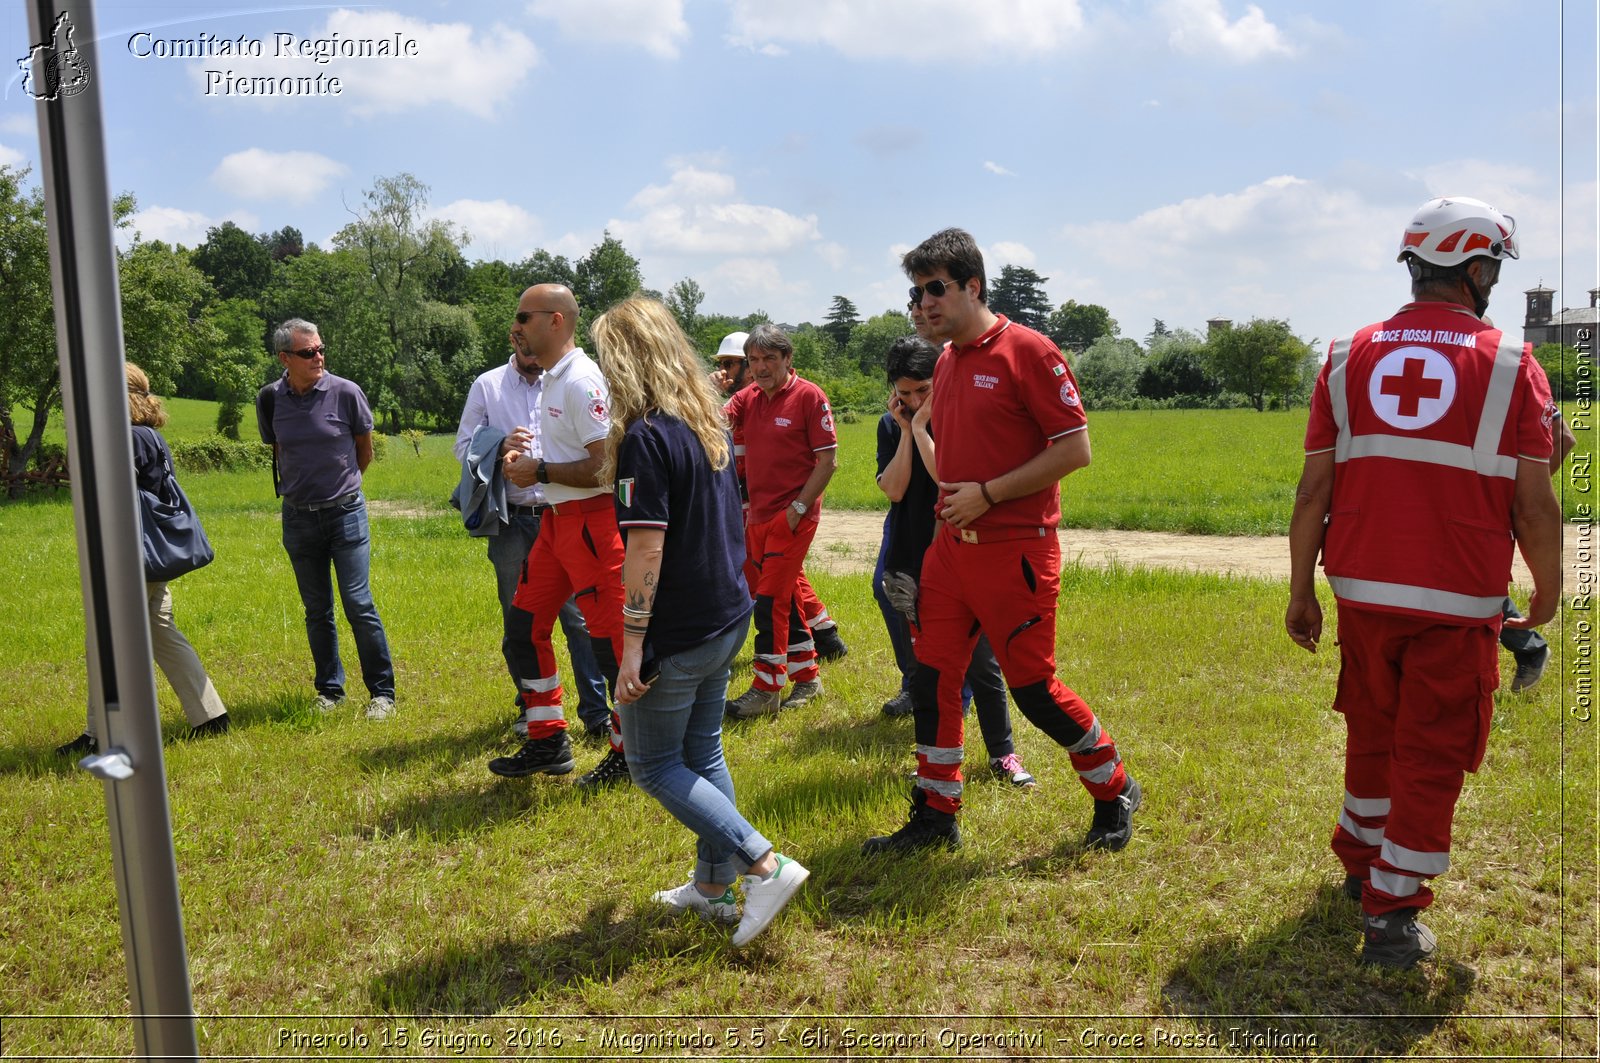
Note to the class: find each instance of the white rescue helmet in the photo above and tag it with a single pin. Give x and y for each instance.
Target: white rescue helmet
(732, 345)
(1450, 230)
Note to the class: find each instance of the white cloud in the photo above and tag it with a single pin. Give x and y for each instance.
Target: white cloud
(293, 176)
(696, 213)
(174, 225)
(688, 185)
(752, 278)
(836, 255)
(17, 125)
(657, 26)
(996, 168)
(454, 65)
(1007, 253)
(12, 157)
(924, 30)
(497, 229)
(1201, 27)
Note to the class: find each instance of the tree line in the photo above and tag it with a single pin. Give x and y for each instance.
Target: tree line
(406, 316)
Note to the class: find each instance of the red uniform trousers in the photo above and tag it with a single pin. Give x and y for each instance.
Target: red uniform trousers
(578, 551)
(1417, 697)
(1007, 589)
(812, 611)
(785, 649)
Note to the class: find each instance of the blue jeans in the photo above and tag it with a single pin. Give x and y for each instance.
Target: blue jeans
(1522, 642)
(508, 552)
(899, 637)
(340, 535)
(674, 740)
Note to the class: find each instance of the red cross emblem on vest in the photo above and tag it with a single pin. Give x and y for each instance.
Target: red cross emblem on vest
(1412, 387)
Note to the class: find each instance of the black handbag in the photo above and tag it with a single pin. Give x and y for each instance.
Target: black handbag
(174, 542)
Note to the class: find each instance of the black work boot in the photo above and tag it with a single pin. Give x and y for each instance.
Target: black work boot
(1113, 820)
(830, 647)
(552, 756)
(612, 769)
(925, 829)
(1396, 940)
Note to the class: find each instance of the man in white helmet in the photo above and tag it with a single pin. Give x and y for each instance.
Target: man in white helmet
(1428, 449)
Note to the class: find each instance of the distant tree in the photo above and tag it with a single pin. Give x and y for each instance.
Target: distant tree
(841, 321)
(1155, 335)
(1561, 366)
(709, 331)
(1074, 325)
(684, 301)
(606, 275)
(238, 364)
(754, 318)
(1177, 368)
(285, 243)
(816, 356)
(30, 377)
(163, 294)
(1108, 371)
(1019, 294)
(407, 260)
(448, 356)
(542, 267)
(239, 265)
(868, 349)
(1261, 360)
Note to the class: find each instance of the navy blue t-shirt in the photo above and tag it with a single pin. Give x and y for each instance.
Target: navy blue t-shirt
(664, 481)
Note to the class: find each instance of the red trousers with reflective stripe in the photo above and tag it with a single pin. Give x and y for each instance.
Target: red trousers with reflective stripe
(1417, 698)
(774, 556)
(1009, 590)
(578, 552)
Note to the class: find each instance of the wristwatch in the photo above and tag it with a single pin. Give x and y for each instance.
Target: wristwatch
(798, 506)
(542, 472)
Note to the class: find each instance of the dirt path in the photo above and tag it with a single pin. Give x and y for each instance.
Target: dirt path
(848, 541)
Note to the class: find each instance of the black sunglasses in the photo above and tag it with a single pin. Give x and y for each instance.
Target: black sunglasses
(309, 353)
(524, 315)
(933, 288)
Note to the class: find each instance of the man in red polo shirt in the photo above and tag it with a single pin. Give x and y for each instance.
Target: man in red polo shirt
(732, 376)
(790, 451)
(1010, 425)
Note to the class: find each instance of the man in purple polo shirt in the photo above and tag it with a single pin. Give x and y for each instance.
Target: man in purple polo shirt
(320, 429)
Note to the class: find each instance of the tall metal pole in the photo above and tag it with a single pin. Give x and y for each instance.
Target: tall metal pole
(122, 692)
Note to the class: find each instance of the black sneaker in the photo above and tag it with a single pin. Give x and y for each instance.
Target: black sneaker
(612, 770)
(552, 755)
(925, 829)
(1352, 887)
(82, 745)
(899, 705)
(1530, 669)
(1113, 820)
(1396, 940)
(830, 647)
(217, 725)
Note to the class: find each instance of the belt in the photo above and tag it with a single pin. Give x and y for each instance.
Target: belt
(329, 504)
(998, 535)
(530, 511)
(583, 505)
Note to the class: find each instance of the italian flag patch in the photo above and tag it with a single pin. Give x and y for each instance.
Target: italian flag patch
(1058, 369)
(625, 492)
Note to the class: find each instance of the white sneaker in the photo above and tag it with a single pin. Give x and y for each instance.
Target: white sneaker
(325, 703)
(380, 708)
(688, 898)
(764, 898)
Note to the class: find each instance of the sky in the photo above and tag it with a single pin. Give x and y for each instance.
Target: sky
(1171, 159)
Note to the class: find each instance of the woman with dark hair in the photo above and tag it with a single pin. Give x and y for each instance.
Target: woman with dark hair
(686, 607)
(179, 663)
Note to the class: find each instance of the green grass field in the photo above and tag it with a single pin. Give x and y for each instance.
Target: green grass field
(334, 867)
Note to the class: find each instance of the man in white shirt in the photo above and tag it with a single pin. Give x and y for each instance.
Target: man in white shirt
(507, 398)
